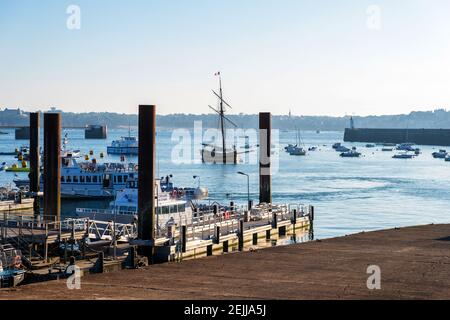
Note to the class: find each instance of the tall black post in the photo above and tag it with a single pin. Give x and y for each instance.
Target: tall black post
(34, 160)
(52, 165)
(146, 193)
(265, 178)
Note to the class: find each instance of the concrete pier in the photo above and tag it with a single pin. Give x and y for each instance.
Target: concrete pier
(414, 264)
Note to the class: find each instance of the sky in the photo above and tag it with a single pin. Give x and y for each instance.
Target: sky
(313, 57)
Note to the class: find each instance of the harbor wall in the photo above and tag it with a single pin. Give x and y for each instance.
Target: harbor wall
(22, 133)
(433, 137)
(95, 132)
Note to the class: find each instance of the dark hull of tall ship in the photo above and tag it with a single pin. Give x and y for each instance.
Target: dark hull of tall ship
(431, 137)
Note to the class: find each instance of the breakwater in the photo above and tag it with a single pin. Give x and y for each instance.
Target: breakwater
(432, 137)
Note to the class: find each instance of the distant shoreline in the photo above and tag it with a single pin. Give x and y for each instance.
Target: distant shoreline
(437, 119)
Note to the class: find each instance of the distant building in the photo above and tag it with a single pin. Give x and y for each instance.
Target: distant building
(12, 112)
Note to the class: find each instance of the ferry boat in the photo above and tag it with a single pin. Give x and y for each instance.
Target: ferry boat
(125, 146)
(90, 179)
(124, 209)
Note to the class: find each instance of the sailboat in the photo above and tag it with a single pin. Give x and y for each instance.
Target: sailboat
(220, 154)
(297, 150)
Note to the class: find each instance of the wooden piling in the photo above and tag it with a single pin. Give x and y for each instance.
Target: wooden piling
(52, 165)
(217, 235)
(183, 238)
(241, 235)
(34, 160)
(274, 220)
(265, 178)
(146, 177)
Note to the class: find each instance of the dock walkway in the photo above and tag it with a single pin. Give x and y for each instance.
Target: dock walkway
(414, 262)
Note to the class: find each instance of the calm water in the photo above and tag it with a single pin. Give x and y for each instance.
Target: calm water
(350, 195)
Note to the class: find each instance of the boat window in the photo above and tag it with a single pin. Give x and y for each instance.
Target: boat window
(94, 179)
(62, 178)
(165, 209)
(173, 208)
(115, 179)
(123, 209)
(88, 179)
(68, 179)
(125, 178)
(75, 179)
(119, 179)
(181, 208)
(82, 179)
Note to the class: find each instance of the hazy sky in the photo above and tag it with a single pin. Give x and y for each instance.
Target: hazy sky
(314, 57)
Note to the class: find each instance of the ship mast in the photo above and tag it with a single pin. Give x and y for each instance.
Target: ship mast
(224, 155)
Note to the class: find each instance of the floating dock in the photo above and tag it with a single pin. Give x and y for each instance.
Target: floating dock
(414, 264)
(432, 137)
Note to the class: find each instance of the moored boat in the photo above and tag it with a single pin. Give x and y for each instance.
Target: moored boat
(441, 154)
(125, 146)
(350, 154)
(404, 155)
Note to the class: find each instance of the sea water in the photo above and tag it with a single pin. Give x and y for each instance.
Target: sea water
(350, 195)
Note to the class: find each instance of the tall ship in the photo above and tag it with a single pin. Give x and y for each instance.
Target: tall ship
(220, 154)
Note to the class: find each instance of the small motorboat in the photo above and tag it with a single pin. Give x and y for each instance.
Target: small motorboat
(341, 148)
(441, 154)
(312, 149)
(387, 149)
(370, 145)
(405, 147)
(350, 154)
(403, 156)
(336, 145)
(16, 168)
(447, 158)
